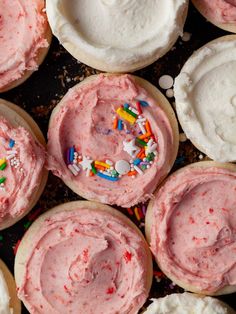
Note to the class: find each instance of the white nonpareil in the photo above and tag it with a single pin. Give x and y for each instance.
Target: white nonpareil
(122, 167)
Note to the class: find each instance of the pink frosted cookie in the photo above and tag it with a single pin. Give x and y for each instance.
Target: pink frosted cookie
(222, 13)
(113, 139)
(191, 224)
(83, 257)
(22, 158)
(24, 39)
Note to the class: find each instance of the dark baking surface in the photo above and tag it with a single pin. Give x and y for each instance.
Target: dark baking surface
(39, 95)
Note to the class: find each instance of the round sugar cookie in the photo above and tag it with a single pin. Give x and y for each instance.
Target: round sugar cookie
(112, 133)
(25, 37)
(186, 303)
(206, 98)
(221, 13)
(190, 224)
(117, 36)
(22, 159)
(8, 296)
(80, 256)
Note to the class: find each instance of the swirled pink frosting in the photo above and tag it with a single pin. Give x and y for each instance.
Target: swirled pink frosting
(23, 179)
(85, 120)
(22, 33)
(85, 261)
(193, 235)
(220, 11)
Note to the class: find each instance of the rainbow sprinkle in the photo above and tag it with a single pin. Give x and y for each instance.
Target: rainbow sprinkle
(142, 149)
(11, 159)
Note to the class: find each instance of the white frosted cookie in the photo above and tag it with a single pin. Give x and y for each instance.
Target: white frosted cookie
(9, 303)
(187, 303)
(206, 98)
(117, 35)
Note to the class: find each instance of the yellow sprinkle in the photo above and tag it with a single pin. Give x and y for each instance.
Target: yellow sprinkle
(137, 213)
(2, 161)
(103, 164)
(125, 115)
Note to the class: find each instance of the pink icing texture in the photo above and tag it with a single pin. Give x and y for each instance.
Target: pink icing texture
(22, 34)
(193, 233)
(21, 177)
(220, 11)
(85, 262)
(85, 119)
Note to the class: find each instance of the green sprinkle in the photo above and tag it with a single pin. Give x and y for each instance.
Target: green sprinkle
(27, 224)
(143, 167)
(2, 180)
(141, 142)
(94, 169)
(3, 166)
(115, 173)
(130, 112)
(1, 237)
(150, 157)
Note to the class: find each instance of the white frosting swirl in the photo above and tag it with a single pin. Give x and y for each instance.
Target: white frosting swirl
(206, 99)
(4, 296)
(117, 32)
(186, 303)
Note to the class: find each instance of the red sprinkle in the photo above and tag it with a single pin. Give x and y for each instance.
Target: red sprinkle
(224, 209)
(191, 220)
(158, 274)
(110, 290)
(130, 211)
(15, 248)
(85, 255)
(66, 289)
(211, 210)
(138, 106)
(127, 256)
(140, 213)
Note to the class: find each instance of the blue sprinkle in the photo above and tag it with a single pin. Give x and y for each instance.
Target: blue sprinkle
(180, 160)
(126, 106)
(120, 125)
(143, 103)
(101, 175)
(137, 161)
(11, 143)
(72, 150)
